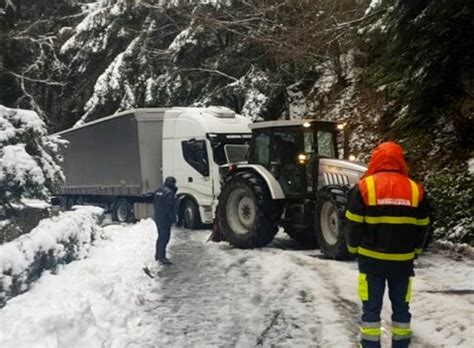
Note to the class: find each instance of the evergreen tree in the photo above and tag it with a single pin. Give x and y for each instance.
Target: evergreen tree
(28, 158)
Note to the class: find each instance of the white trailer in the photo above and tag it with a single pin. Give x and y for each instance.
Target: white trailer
(118, 161)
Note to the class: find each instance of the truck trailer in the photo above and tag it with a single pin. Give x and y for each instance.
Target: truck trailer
(119, 161)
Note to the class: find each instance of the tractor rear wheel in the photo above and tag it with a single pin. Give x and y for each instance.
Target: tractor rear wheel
(247, 215)
(330, 209)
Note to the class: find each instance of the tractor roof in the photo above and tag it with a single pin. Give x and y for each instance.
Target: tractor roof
(292, 123)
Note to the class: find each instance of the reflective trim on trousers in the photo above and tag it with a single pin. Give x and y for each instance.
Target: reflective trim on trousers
(401, 334)
(375, 324)
(409, 290)
(371, 331)
(401, 331)
(371, 334)
(363, 287)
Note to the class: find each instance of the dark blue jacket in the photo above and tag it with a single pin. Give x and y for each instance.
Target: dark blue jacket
(164, 202)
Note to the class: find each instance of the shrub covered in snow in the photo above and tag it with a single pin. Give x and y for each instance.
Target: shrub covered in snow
(452, 194)
(24, 219)
(28, 163)
(55, 241)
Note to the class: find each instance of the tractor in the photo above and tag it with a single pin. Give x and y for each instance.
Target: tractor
(293, 179)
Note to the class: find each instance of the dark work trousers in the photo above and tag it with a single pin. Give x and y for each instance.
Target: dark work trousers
(164, 234)
(371, 290)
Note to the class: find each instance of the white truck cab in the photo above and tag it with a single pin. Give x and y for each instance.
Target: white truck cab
(196, 141)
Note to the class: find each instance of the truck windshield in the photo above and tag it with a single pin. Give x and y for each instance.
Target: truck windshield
(236, 152)
(229, 148)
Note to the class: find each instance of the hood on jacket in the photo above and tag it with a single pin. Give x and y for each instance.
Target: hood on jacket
(387, 156)
(170, 182)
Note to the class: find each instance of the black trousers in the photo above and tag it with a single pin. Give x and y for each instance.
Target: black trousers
(371, 291)
(164, 234)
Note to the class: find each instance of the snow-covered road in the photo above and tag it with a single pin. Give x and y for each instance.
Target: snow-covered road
(217, 296)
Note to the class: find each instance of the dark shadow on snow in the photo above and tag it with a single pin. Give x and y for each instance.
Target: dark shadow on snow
(451, 292)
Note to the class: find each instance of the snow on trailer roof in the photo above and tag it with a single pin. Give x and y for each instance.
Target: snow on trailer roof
(289, 123)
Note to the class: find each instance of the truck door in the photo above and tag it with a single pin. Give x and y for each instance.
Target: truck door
(197, 176)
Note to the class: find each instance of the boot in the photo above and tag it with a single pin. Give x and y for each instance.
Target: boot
(164, 261)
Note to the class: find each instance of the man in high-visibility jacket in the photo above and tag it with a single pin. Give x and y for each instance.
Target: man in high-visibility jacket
(386, 225)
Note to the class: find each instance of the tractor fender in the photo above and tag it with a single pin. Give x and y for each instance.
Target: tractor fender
(273, 185)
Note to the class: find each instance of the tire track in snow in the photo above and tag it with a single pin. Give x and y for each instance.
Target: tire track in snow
(346, 307)
(218, 296)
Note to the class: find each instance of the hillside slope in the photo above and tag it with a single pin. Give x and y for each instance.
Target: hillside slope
(389, 69)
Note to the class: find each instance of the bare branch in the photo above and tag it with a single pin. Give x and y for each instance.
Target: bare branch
(46, 82)
(212, 71)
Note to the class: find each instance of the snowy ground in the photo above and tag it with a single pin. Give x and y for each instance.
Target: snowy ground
(216, 296)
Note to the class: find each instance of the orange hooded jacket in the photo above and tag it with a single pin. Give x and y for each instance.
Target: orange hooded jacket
(389, 172)
(387, 216)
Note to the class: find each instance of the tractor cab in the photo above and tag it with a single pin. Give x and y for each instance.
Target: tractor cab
(291, 150)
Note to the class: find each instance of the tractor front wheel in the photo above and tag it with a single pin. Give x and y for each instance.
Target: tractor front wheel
(247, 215)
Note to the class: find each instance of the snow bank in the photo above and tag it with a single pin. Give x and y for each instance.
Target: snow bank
(36, 203)
(105, 300)
(459, 249)
(56, 240)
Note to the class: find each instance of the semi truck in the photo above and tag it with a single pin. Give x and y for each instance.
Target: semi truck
(120, 160)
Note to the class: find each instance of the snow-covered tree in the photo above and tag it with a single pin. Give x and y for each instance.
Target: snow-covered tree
(28, 158)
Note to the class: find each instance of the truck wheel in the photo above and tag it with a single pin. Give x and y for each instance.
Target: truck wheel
(191, 217)
(79, 200)
(65, 203)
(329, 224)
(122, 211)
(248, 216)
